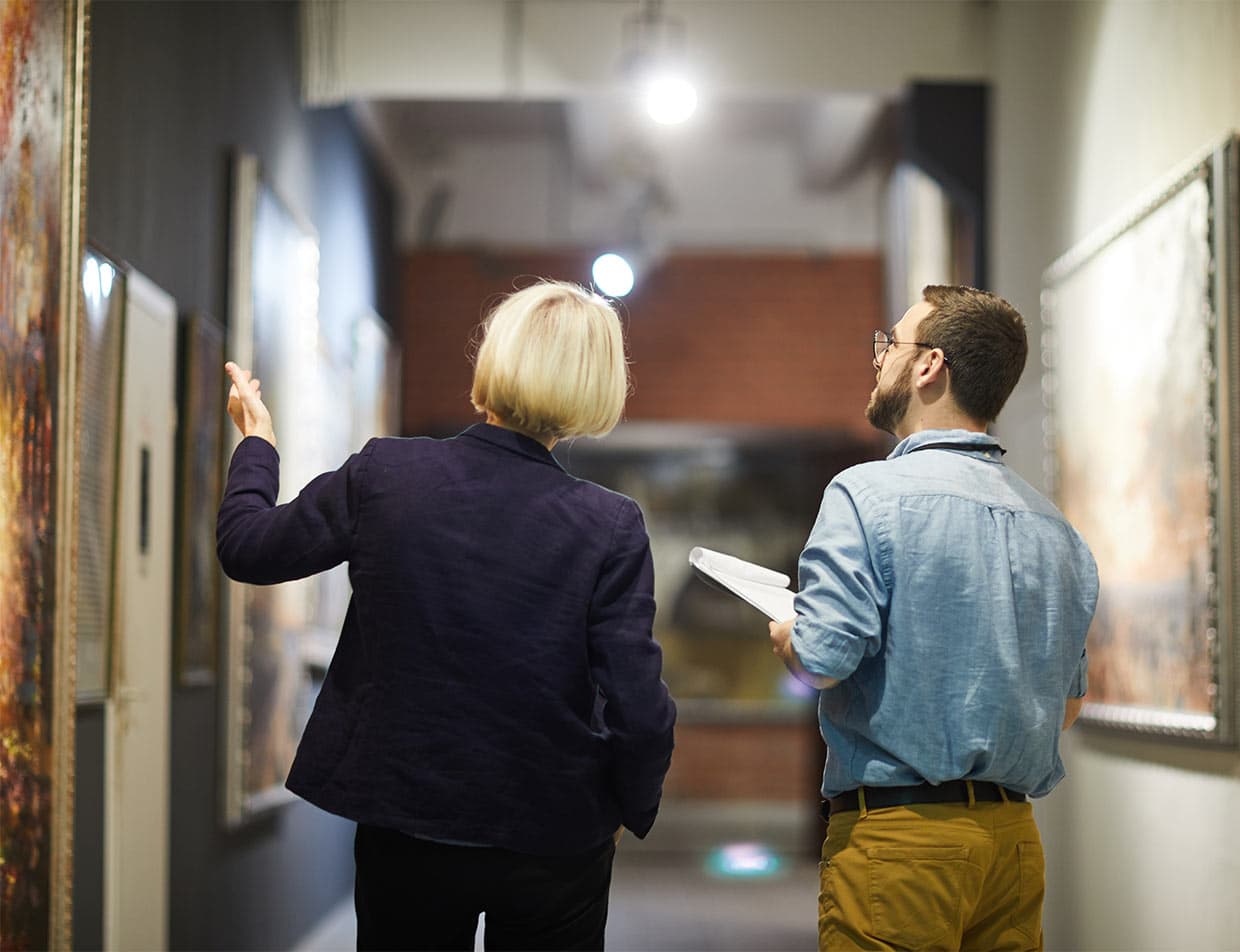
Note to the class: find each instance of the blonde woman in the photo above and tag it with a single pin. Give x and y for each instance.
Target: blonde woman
(494, 713)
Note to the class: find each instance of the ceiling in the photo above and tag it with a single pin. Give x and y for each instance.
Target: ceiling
(513, 122)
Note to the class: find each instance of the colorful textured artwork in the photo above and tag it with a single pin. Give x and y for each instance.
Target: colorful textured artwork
(35, 58)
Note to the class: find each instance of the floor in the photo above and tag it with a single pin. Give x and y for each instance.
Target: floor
(734, 877)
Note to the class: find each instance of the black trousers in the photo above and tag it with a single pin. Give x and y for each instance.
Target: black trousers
(417, 894)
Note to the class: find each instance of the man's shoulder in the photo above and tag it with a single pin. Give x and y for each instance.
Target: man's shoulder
(863, 474)
(944, 473)
(878, 477)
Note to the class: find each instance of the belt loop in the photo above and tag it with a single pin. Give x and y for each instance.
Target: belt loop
(1003, 793)
(968, 785)
(861, 802)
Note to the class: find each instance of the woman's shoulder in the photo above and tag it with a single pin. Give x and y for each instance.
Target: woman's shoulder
(616, 505)
(399, 445)
(401, 455)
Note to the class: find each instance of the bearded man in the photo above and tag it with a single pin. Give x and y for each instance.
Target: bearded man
(942, 611)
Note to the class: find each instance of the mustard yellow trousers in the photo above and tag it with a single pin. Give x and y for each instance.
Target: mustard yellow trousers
(932, 876)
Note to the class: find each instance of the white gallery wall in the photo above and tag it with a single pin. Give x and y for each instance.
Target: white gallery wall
(1095, 102)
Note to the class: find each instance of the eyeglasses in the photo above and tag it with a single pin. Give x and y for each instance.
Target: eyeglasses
(882, 342)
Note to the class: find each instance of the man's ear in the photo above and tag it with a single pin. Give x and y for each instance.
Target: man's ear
(931, 368)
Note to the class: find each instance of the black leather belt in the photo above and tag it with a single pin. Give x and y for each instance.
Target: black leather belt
(952, 791)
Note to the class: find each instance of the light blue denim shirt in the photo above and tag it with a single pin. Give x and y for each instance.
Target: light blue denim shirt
(951, 600)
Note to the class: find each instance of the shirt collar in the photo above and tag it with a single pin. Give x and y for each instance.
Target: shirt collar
(512, 441)
(964, 440)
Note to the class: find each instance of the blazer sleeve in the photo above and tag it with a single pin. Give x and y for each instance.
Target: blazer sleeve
(626, 663)
(261, 543)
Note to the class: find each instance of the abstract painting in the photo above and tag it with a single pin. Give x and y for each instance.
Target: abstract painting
(41, 74)
(1140, 382)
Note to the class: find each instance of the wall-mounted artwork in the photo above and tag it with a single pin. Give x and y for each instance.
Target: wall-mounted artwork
(1141, 383)
(200, 437)
(274, 330)
(41, 156)
(99, 375)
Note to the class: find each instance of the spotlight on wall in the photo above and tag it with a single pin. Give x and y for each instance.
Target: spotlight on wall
(613, 275)
(90, 280)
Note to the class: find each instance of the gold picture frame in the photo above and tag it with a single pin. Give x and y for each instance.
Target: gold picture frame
(42, 157)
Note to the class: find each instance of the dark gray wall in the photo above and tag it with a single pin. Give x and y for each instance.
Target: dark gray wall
(88, 829)
(174, 88)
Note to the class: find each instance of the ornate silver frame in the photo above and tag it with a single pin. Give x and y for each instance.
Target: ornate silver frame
(1217, 168)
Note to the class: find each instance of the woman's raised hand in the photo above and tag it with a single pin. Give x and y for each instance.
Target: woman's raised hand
(245, 405)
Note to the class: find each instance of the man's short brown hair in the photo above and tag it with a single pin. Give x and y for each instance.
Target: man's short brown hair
(983, 338)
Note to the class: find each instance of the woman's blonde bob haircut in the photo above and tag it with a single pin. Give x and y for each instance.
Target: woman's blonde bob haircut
(551, 363)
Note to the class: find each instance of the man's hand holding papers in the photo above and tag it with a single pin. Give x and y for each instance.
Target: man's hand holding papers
(781, 645)
(763, 588)
(769, 592)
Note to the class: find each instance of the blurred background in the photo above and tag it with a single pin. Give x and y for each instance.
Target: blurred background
(804, 169)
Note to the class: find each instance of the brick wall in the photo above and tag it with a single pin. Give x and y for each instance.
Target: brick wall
(739, 761)
(776, 340)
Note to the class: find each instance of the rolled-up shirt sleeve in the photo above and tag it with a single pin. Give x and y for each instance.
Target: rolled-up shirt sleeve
(626, 664)
(843, 596)
(261, 543)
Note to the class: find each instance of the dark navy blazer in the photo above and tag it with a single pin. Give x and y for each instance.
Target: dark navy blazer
(496, 682)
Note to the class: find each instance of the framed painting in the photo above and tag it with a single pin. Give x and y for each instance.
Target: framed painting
(274, 633)
(42, 134)
(200, 434)
(98, 445)
(1140, 356)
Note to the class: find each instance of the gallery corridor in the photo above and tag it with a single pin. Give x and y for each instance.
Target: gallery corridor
(739, 877)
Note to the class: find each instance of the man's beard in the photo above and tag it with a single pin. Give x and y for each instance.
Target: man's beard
(887, 406)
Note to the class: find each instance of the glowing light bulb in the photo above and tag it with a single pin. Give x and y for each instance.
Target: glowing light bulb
(612, 275)
(670, 99)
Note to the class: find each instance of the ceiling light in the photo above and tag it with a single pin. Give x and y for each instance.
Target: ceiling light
(653, 61)
(613, 276)
(670, 99)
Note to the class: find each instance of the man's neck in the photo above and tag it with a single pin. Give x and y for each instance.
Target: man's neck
(919, 418)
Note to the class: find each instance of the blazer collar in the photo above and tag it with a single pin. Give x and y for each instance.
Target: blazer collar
(512, 441)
